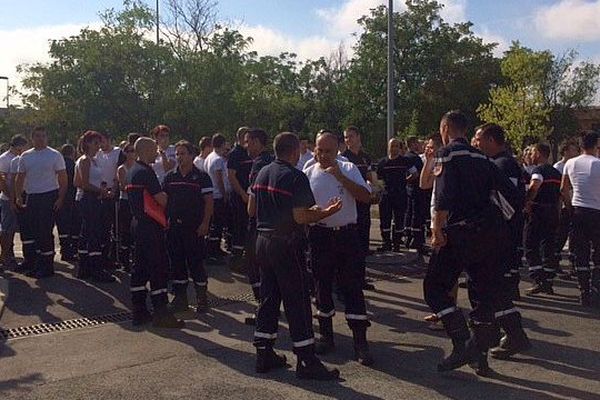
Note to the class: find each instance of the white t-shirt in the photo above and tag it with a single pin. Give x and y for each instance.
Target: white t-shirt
(212, 164)
(312, 161)
(303, 159)
(199, 163)
(5, 160)
(584, 174)
(10, 177)
(325, 187)
(158, 167)
(40, 168)
(560, 167)
(107, 162)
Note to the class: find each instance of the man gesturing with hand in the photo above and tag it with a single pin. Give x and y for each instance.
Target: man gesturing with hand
(335, 245)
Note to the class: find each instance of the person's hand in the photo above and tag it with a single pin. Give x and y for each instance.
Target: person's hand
(335, 171)
(58, 204)
(429, 153)
(335, 204)
(19, 202)
(438, 239)
(202, 230)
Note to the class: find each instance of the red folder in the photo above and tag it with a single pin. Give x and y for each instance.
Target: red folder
(154, 210)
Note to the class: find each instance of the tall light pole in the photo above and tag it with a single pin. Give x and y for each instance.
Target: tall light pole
(7, 92)
(157, 23)
(390, 76)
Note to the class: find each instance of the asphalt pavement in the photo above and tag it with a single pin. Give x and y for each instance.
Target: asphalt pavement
(213, 357)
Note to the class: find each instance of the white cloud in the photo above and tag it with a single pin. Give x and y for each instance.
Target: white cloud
(570, 20)
(490, 37)
(19, 46)
(342, 21)
(268, 41)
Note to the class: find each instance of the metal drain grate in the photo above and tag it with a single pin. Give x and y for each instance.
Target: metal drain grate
(80, 323)
(61, 326)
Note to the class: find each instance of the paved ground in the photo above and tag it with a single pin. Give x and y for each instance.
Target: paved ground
(213, 357)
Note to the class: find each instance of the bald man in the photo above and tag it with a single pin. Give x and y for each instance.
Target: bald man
(395, 170)
(151, 261)
(335, 245)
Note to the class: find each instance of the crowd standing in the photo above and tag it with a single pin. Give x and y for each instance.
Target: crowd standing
(298, 222)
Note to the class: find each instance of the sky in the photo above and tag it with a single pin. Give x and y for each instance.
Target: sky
(311, 28)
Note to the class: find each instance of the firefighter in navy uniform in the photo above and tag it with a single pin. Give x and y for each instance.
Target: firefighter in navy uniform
(543, 211)
(151, 261)
(362, 160)
(189, 209)
(239, 164)
(469, 233)
(491, 140)
(257, 145)
(415, 211)
(394, 170)
(282, 202)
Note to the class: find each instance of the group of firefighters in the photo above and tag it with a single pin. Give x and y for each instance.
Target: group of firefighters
(298, 222)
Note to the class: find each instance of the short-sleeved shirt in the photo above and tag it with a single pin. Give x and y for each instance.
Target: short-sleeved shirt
(108, 161)
(10, 177)
(40, 168)
(507, 164)
(312, 161)
(464, 179)
(141, 177)
(5, 160)
(303, 159)
(214, 163)
(185, 204)
(393, 172)
(199, 163)
(361, 160)
(549, 191)
(158, 166)
(584, 175)
(279, 188)
(265, 158)
(240, 162)
(560, 166)
(325, 187)
(417, 162)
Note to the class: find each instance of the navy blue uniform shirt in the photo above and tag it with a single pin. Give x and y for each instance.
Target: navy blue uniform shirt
(265, 158)
(185, 202)
(507, 164)
(141, 176)
(279, 188)
(549, 191)
(241, 163)
(393, 172)
(361, 160)
(465, 178)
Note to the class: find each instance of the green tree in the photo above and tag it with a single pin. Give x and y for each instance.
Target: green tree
(540, 93)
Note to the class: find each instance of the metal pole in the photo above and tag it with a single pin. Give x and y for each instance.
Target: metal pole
(390, 77)
(157, 23)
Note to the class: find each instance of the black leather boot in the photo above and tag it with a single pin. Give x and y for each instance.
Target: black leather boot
(361, 346)
(313, 368)
(267, 360)
(515, 341)
(324, 343)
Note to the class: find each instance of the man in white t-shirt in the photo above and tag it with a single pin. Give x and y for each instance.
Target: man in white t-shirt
(582, 178)
(568, 150)
(40, 188)
(165, 158)
(305, 153)
(335, 245)
(205, 146)
(216, 168)
(8, 225)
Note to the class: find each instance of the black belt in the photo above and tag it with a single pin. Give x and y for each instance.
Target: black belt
(349, 227)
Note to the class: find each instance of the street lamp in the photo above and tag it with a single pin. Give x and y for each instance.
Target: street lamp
(7, 89)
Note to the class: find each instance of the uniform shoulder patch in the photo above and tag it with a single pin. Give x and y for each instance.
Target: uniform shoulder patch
(437, 170)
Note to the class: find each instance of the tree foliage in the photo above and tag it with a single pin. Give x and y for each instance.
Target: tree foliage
(202, 77)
